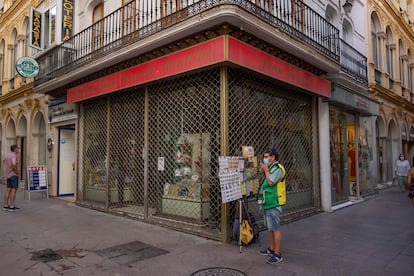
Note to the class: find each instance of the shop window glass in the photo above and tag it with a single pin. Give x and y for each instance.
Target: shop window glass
(50, 26)
(366, 162)
(339, 155)
(352, 164)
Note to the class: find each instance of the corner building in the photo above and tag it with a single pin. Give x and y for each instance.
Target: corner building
(23, 112)
(160, 94)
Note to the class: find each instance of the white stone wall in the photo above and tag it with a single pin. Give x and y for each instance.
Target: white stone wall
(355, 20)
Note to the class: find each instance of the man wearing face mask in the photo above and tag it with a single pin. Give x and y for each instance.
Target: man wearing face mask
(268, 199)
(11, 173)
(402, 167)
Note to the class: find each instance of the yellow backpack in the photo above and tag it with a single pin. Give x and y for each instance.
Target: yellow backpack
(247, 235)
(281, 187)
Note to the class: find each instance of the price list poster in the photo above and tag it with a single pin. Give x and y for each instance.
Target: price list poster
(37, 178)
(230, 178)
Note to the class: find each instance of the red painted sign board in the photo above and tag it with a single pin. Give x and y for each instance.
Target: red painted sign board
(204, 54)
(211, 52)
(254, 59)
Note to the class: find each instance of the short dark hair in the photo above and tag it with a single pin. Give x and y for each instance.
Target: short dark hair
(273, 152)
(13, 148)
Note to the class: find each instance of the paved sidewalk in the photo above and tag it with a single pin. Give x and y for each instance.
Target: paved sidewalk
(375, 237)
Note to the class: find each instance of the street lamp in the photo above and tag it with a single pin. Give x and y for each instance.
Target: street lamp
(347, 6)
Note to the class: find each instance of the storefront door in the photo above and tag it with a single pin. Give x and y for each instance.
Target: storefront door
(66, 161)
(352, 161)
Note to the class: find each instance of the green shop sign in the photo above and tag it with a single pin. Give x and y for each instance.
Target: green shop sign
(27, 67)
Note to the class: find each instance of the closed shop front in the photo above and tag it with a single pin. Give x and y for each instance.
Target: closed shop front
(151, 151)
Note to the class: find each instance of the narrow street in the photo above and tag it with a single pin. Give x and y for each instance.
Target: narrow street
(55, 237)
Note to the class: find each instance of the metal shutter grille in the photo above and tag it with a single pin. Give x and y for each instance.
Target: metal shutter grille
(187, 110)
(266, 115)
(126, 132)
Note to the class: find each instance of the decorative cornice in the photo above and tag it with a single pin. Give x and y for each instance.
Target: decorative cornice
(16, 94)
(387, 95)
(381, 35)
(382, 95)
(21, 37)
(36, 103)
(5, 111)
(29, 103)
(16, 8)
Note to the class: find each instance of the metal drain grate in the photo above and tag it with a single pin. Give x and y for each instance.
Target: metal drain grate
(128, 253)
(46, 255)
(218, 271)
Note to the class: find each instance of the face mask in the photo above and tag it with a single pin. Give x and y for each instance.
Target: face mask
(266, 161)
(401, 158)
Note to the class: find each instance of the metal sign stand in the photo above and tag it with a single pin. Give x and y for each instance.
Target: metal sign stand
(240, 224)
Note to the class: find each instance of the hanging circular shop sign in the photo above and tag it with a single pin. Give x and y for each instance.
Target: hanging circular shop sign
(27, 67)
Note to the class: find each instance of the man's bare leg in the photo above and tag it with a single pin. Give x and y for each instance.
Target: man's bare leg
(7, 197)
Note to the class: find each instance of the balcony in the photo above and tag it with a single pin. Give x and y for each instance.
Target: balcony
(353, 62)
(136, 21)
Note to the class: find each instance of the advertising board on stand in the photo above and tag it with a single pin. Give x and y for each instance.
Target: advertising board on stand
(37, 179)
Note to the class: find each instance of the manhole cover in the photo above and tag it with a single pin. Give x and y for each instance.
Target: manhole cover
(218, 271)
(46, 255)
(128, 253)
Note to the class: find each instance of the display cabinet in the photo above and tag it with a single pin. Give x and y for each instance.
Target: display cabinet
(188, 195)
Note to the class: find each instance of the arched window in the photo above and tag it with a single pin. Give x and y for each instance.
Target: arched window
(331, 15)
(410, 75)
(404, 135)
(347, 58)
(389, 46)
(14, 50)
(98, 26)
(2, 50)
(402, 64)
(347, 32)
(411, 133)
(24, 43)
(375, 28)
(26, 40)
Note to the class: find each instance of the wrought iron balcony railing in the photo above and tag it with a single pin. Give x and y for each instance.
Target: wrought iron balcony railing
(353, 62)
(138, 19)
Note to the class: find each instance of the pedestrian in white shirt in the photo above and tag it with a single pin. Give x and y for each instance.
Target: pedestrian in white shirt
(402, 167)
